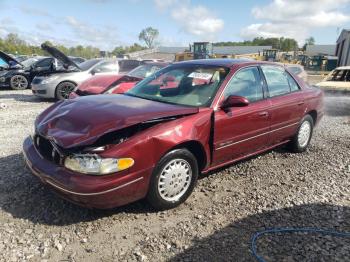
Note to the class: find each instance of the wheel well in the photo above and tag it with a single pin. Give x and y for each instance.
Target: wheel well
(64, 82)
(313, 114)
(197, 150)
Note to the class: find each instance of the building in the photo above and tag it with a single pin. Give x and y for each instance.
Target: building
(316, 50)
(343, 48)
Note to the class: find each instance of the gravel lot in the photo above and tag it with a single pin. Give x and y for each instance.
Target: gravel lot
(277, 189)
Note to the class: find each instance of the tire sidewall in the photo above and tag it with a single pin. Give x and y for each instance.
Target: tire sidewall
(58, 95)
(153, 196)
(299, 148)
(14, 88)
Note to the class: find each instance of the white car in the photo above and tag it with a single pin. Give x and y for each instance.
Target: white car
(60, 84)
(339, 78)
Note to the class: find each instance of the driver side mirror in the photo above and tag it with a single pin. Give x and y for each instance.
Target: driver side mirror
(235, 101)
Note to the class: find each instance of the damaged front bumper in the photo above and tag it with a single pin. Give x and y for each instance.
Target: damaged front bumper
(90, 191)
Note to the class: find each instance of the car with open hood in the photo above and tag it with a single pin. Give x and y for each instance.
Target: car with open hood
(338, 79)
(116, 84)
(155, 139)
(60, 85)
(18, 75)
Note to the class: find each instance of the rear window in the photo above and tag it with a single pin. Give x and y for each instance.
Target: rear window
(339, 75)
(128, 65)
(295, 70)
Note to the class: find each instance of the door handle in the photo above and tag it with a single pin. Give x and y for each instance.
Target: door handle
(264, 114)
(301, 103)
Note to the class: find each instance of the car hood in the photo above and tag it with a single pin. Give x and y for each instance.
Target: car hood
(80, 122)
(8, 59)
(54, 52)
(98, 84)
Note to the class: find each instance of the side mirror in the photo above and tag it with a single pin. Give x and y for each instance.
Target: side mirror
(92, 72)
(235, 101)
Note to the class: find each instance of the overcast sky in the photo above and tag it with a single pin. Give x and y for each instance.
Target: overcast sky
(108, 23)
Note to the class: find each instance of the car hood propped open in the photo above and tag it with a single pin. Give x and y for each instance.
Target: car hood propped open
(80, 122)
(54, 52)
(8, 59)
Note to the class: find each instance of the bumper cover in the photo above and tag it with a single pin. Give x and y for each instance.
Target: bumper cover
(90, 191)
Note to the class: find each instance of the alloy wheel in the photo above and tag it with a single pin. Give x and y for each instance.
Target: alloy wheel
(19, 82)
(304, 133)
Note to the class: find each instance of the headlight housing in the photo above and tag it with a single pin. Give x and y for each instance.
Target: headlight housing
(2, 79)
(96, 165)
(49, 79)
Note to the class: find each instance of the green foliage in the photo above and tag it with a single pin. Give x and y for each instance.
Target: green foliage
(12, 44)
(309, 41)
(284, 44)
(122, 50)
(148, 35)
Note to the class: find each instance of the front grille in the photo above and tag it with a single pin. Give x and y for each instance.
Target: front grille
(47, 149)
(82, 93)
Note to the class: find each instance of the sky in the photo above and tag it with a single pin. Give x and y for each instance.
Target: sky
(109, 23)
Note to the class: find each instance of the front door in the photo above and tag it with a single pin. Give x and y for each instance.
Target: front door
(240, 131)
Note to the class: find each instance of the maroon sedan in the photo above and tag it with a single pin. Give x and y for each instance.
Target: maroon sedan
(153, 141)
(116, 84)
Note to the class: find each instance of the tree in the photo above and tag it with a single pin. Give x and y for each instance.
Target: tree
(148, 35)
(310, 41)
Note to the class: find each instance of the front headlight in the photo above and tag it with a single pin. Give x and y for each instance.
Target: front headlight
(96, 165)
(2, 79)
(49, 79)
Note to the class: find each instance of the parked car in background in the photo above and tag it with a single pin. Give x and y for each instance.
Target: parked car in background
(298, 70)
(339, 78)
(21, 58)
(18, 75)
(154, 140)
(116, 84)
(60, 85)
(77, 60)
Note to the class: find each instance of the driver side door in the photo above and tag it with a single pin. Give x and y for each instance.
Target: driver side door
(240, 131)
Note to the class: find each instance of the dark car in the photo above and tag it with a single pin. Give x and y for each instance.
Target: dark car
(154, 140)
(118, 83)
(18, 75)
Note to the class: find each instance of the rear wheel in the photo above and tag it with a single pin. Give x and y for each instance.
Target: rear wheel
(173, 179)
(64, 89)
(301, 139)
(19, 82)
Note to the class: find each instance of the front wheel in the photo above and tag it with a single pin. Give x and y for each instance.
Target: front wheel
(301, 139)
(64, 89)
(173, 179)
(19, 82)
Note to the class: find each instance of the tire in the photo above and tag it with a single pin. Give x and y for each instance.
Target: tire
(19, 82)
(176, 171)
(64, 89)
(301, 139)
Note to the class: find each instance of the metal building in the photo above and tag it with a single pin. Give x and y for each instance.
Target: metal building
(343, 48)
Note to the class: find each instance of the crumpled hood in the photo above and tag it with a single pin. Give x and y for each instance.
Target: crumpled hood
(98, 84)
(82, 121)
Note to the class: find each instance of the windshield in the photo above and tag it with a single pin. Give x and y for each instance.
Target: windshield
(88, 64)
(191, 85)
(29, 62)
(144, 71)
(339, 75)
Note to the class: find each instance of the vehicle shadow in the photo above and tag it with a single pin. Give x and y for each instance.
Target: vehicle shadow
(24, 196)
(25, 98)
(233, 243)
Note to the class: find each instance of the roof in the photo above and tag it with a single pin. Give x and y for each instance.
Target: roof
(216, 62)
(320, 50)
(239, 50)
(343, 68)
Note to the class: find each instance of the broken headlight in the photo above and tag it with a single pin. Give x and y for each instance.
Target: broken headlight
(96, 165)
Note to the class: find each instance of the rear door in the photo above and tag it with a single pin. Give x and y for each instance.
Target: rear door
(240, 131)
(287, 103)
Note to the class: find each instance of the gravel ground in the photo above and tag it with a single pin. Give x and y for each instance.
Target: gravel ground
(276, 189)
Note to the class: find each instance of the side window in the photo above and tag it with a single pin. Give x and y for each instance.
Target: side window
(246, 83)
(292, 83)
(106, 67)
(44, 63)
(277, 80)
